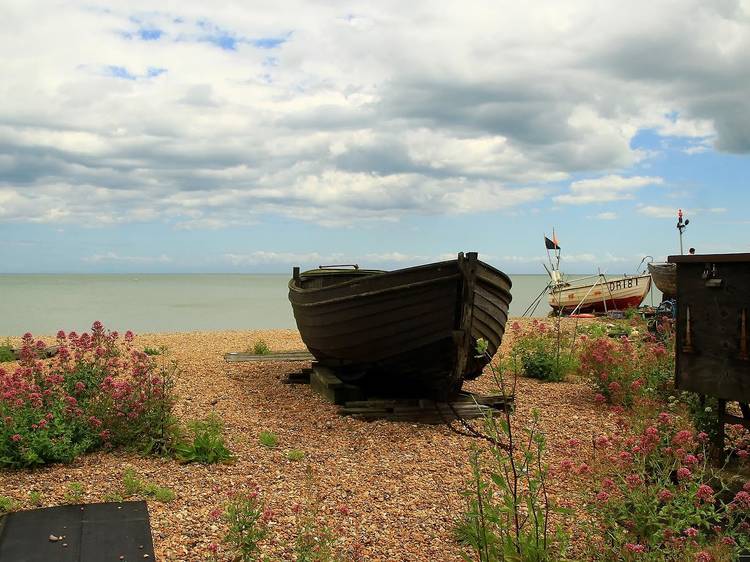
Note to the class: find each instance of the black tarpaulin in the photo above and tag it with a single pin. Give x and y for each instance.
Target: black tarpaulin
(88, 533)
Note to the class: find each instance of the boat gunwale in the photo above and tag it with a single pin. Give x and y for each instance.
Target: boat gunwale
(295, 288)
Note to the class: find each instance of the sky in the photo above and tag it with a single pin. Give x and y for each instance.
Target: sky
(254, 136)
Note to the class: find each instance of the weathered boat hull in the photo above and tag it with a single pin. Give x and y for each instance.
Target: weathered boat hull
(613, 294)
(411, 331)
(665, 278)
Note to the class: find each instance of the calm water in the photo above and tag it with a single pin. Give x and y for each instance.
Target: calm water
(43, 304)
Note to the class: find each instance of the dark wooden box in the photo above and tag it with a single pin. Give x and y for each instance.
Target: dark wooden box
(713, 325)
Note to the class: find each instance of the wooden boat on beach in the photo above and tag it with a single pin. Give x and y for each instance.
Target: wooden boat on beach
(665, 278)
(410, 331)
(599, 295)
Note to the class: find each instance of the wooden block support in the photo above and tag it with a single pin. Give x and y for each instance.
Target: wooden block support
(329, 386)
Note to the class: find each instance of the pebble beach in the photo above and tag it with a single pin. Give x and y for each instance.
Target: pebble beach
(393, 489)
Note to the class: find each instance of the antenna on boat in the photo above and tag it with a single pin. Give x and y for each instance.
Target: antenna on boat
(554, 270)
(681, 226)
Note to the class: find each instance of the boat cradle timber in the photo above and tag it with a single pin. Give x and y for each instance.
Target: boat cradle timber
(408, 332)
(665, 278)
(601, 295)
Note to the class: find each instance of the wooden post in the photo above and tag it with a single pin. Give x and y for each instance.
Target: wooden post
(468, 269)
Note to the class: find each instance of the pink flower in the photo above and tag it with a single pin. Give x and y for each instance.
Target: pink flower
(633, 481)
(60, 335)
(665, 496)
(691, 532)
(608, 483)
(343, 510)
(602, 442)
(690, 459)
(15, 438)
(600, 398)
(664, 418)
(602, 497)
(129, 336)
(703, 437)
(566, 465)
(614, 387)
(703, 556)
(625, 457)
(574, 443)
(683, 473)
(637, 548)
(682, 437)
(636, 384)
(652, 432)
(705, 493)
(213, 548)
(583, 468)
(728, 540)
(215, 513)
(741, 501)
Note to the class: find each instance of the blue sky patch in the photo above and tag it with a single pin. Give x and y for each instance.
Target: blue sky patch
(119, 72)
(268, 42)
(154, 71)
(150, 34)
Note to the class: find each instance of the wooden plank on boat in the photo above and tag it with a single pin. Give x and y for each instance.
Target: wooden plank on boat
(242, 357)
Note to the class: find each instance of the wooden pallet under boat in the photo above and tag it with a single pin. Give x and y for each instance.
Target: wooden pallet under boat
(665, 278)
(409, 332)
(600, 295)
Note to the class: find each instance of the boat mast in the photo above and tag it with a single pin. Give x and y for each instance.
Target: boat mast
(681, 226)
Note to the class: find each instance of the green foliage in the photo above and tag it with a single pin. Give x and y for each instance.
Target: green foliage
(131, 483)
(207, 444)
(543, 352)
(624, 369)
(314, 541)
(35, 498)
(113, 497)
(97, 392)
(268, 439)
(6, 353)
(75, 492)
(295, 455)
(508, 508)
(655, 495)
(247, 526)
(7, 505)
(261, 348)
(134, 486)
(154, 350)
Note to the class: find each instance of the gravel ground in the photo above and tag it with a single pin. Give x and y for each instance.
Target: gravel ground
(397, 484)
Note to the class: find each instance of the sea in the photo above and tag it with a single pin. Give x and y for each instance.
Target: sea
(45, 303)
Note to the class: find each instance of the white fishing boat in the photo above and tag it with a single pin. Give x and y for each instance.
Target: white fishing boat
(595, 293)
(599, 293)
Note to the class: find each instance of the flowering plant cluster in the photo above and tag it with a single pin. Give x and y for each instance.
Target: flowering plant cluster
(655, 496)
(623, 369)
(97, 391)
(542, 352)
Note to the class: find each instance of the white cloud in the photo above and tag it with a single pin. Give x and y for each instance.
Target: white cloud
(605, 188)
(607, 216)
(665, 211)
(112, 257)
(122, 114)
